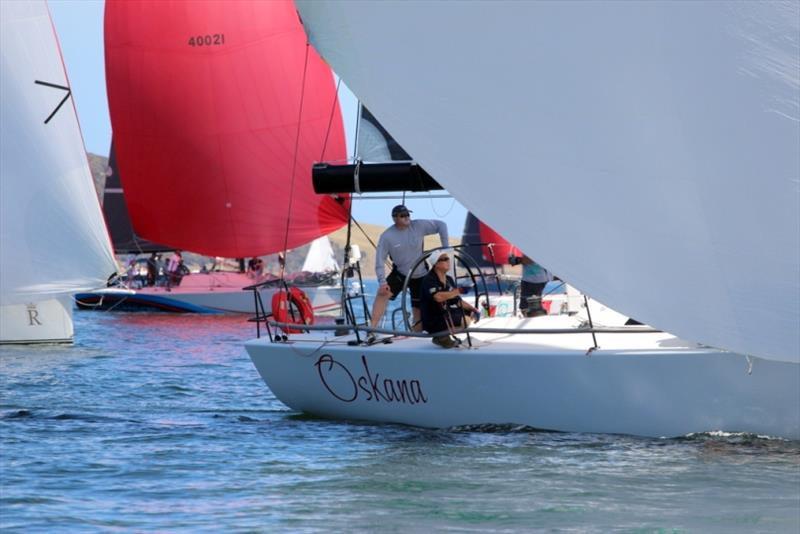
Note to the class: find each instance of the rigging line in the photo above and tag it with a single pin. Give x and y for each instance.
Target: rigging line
(356, 133)
(363, 232)
(386, 262)
(294, 162)
(330, 120)
(446, 213)
(448, 319)
(346, 260)
(368, 238)
(304, 354)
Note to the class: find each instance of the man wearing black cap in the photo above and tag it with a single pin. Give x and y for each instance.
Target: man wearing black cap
(404, 242)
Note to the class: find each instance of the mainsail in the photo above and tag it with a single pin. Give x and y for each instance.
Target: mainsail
(52, 238)
(382, 165)
(671, 128)
(123, 237)
(374, 143)
(219, 110)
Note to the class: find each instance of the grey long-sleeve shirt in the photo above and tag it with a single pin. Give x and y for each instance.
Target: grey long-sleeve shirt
(405, 244)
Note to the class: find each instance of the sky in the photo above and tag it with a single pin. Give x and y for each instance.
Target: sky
(79, 24)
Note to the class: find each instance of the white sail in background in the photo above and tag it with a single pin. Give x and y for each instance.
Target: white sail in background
(672, 128)
(53, 241)
(320, 257)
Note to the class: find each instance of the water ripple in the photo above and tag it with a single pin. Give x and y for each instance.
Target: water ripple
(155, 422)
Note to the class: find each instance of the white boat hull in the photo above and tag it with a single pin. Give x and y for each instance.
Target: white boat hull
(641, 384)
(47, 321)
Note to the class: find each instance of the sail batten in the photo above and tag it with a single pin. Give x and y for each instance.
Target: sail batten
(657, 173)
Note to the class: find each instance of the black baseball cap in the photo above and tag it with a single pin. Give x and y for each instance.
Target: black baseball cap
(399, 209)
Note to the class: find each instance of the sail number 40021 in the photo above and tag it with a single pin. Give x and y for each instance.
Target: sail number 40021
(207, 40)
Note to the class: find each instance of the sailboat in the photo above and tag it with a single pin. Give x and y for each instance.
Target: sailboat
(214, 290)
(53, 241)
(320, 257)
(678, 158)
(218, 112)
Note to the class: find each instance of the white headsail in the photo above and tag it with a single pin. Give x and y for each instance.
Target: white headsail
(320, 257)
(53, 240)
(670, 128)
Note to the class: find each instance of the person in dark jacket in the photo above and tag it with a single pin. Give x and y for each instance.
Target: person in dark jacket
(152, 269)
(442, 307)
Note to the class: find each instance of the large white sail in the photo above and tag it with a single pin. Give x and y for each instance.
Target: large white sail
(669, 129)
(53, 240)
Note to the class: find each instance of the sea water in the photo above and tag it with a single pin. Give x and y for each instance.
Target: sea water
(159, 422)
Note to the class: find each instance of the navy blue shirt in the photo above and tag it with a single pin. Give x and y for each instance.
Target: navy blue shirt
(434, 313)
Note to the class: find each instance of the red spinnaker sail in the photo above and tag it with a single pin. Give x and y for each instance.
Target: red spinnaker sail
(502, 249)
(205, 101)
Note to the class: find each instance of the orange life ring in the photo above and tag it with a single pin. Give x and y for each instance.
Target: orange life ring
(281, 308)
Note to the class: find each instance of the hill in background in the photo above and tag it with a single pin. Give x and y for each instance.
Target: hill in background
(364, 235)
(98, 166)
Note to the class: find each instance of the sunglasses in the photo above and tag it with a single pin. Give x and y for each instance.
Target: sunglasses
(442, 259)
(403, 215)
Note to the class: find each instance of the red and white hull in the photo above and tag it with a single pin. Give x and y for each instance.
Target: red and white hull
(216, 292)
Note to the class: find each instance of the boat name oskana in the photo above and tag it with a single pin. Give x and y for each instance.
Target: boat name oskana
(345, 386)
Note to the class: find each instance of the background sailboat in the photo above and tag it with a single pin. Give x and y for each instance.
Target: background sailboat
(218, 111)
(320, 257)
(53, 241)
(215, 287)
